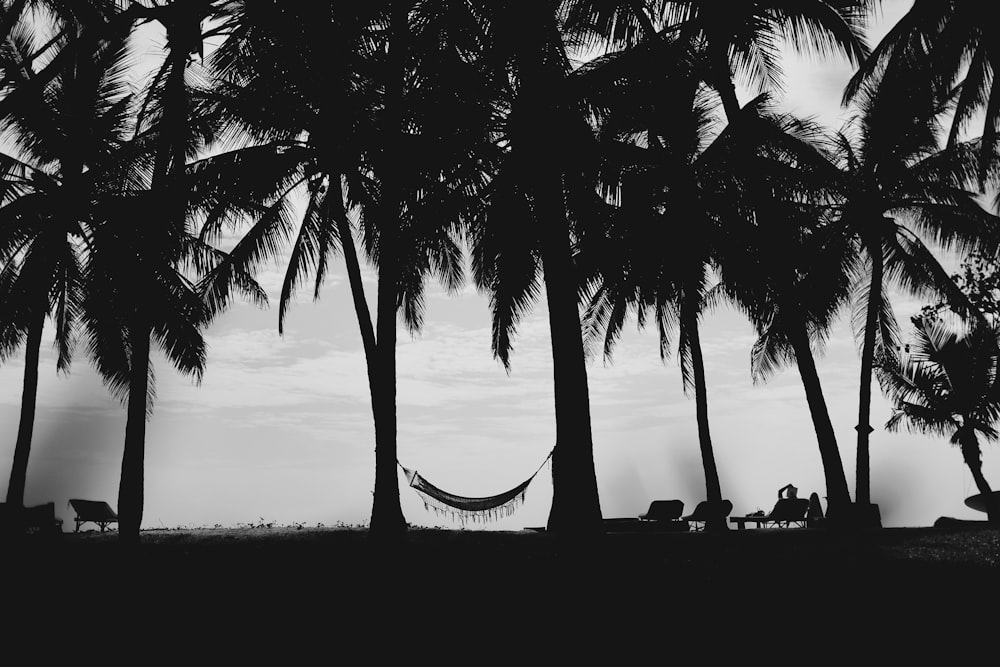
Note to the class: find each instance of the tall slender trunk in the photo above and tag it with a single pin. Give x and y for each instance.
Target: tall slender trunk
(576, 507)
(357, 290)
(724, 85)
(26, 425)
(131, 488)
(974, 460)
(387, 521)
(864, 428)
(713, 488)
(381, 512)
(837, 495)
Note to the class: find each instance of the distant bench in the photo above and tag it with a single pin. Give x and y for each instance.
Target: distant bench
(94, 511)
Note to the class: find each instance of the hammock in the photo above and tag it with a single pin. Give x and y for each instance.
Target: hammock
(464, 508)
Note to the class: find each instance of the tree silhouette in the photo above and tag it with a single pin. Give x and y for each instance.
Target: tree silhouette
(900, 185)
(536, 203)
(948, 45)
(141, 273)
(346, 153)
(680, 183)
(743, 41)
(946, 384)
(64, 134)
(790, 272)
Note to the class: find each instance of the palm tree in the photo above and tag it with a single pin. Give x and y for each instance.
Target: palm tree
(949, 45)
(899, 185)
(641, 267)
(145, 256)
(946, 384)
(64, 134)
(345, 154)
(541, 197)
(743, 40)
(790, 272)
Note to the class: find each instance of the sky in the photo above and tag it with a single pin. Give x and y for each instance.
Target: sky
(280, 431)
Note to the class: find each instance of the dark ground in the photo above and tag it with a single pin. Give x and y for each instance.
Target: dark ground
(305, 596)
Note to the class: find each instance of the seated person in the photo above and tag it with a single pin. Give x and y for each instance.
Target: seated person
(792, 491)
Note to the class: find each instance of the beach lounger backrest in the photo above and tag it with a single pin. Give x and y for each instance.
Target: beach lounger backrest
(664, 510)
(790, 509)
(703, 510)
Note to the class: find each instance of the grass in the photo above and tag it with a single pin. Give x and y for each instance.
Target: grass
(465, 590)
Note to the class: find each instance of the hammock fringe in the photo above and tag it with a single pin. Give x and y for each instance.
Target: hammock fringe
(464, 508)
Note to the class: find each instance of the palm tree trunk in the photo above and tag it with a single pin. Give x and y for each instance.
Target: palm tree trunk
(387, 521)
(864, 428)
(837, 495)
(26, 425)
(576, 507)
(131, 487)
(713, 488)
(724, 85)
(384, 511)
(357, 290)
(974, 460)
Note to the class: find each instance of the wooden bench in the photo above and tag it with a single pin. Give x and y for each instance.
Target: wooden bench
(786, 512)
(94, 511)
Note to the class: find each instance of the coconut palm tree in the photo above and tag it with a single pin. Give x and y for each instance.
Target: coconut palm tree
(642, 269)
(946, 384)
(149, 278)
(539, 201)
(790, 271)
(744, 41)
(345, 155)
(64, 135)
(948, 44)
(899, 185)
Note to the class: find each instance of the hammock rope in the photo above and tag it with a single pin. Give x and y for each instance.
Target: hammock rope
(465, 508)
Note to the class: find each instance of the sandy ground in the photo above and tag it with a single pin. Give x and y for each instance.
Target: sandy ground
(477, 596)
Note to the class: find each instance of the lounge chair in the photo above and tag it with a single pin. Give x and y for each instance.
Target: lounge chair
(663, 510)
(662, 516)
(786, 512)
(703, 511)
(94, 511)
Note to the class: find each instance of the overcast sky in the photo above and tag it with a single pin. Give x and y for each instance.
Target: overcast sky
(280, 429)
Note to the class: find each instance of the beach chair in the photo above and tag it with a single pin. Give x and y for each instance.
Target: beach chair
(663, 510)
(787, 512)
(94, 511)
(704, 511)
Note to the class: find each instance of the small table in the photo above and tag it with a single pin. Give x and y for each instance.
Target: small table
(978, 501)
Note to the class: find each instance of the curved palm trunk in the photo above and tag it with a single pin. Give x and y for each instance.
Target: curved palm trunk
(131, 488)
(713, 488)
(724, 85)
(974, 460)
(382, 512)
(864, 428)
(26, 425)
(576, 507)
(837, 495)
